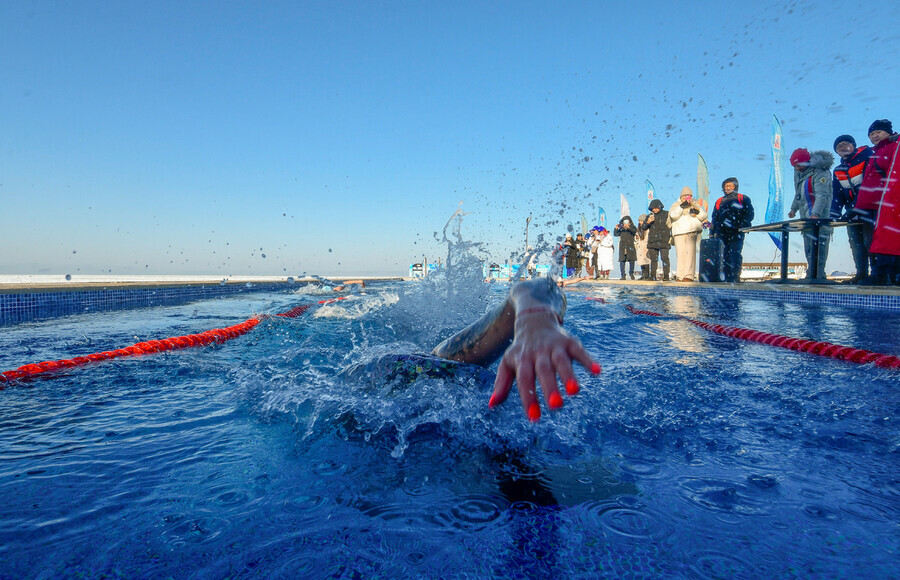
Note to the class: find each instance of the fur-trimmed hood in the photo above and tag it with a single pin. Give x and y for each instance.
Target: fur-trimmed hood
(823, 160)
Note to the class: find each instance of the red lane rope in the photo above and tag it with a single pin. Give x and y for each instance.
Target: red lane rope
(295, 312)
(597, 299)
(331, 300)
(217, 335)
(826, 349)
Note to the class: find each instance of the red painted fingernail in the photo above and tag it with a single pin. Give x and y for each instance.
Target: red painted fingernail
(572, 387)
(493, 402)
(555, 401)
(595, 369)
(534, 412)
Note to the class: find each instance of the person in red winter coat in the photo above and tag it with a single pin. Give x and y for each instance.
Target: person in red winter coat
(880, 196)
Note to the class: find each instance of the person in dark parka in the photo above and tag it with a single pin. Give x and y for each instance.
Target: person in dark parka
(846, 181)
(625, 230)
(573, 256)
(732, 212)
(658, 234)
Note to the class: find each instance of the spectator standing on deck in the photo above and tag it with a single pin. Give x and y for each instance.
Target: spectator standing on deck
(880, 193)
(687, 216)
(593, 244)
(590, 254)
(658, 234)
(579, 241)
(573, 255)
(640, 245)
(605, 252)
(812, 200)
(845, 184)
(625, 230)
(732, 212)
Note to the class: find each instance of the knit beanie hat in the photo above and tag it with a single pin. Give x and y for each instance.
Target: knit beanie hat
(841, 139)
(731, 180)
(882, 124)
(799, 156)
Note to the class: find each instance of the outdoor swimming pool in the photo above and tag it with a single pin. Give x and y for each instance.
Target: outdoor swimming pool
(691, 455)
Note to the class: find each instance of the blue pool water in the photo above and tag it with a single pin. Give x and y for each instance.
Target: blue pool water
(692, 455)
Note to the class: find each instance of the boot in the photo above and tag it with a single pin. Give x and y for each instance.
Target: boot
(878, 279)
(665, 275)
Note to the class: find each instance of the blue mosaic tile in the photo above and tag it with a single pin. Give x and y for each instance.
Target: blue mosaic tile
(28, 306)
(874, 301)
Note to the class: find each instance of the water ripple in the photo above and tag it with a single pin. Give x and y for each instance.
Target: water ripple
(477, 511)
(722, 497)
(231, 498)
(717, 565)
(630, 523)
(868, 511)
(183, 530)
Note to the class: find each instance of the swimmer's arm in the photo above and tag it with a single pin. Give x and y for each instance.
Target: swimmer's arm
(568, 281)
(346, 283)
(485, 340)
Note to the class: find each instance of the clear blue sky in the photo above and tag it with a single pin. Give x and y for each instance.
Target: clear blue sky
(336, 137)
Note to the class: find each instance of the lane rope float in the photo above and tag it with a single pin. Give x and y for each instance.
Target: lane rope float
(217, 335)
(819, 348)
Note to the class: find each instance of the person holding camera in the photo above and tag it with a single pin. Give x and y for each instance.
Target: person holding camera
(625, 230)
(658, 234)
(686, 216)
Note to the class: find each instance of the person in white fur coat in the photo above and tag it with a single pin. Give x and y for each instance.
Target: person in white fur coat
(605, 251)
(686, 217)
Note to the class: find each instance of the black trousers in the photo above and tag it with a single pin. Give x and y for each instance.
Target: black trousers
(655, 255)
(859, 234)
(734, 259)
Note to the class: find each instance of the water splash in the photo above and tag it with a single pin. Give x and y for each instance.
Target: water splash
(451, 297)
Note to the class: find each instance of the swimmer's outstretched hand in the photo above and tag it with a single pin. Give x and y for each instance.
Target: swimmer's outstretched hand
(541, 350)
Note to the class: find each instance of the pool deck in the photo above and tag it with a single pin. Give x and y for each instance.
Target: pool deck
(38, 283)
(46, 283)
(31, 298)
(763, 286)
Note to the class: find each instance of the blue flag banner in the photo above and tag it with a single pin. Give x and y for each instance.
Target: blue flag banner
(602, 218)
(650, 191)
(775, 206)
(703, 190)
